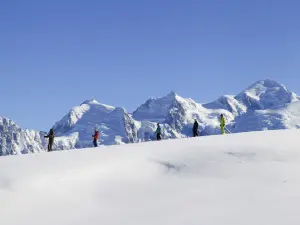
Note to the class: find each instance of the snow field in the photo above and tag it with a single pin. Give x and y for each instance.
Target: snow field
(239, 179)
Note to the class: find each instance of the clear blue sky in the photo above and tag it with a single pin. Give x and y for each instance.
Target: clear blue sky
(54, 54)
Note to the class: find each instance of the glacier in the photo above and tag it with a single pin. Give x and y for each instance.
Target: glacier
(264, 105)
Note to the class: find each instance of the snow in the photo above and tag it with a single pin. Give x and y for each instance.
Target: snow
(155, 109)
(238, 179)
(83, 119)
(283, 117)
(265, 94)
(264, 105)
(14, 140)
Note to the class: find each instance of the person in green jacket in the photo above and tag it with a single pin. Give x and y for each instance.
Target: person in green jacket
(222, 124)
(158, 132)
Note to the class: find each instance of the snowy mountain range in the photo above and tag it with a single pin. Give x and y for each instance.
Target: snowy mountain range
(265, 105)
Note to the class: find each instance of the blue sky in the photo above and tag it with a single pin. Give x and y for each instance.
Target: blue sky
(56, 54)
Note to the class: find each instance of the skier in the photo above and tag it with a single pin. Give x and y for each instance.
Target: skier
(51, 139)
(195, 128)
(95, 136)
(158, 132)
(222, 124)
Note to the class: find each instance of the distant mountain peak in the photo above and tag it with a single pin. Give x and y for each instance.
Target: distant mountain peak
(266, 84)
(91, 102)
(172, 94)
(265, 94)
(4, 119)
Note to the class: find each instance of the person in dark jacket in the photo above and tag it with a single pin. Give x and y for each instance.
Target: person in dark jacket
(96, 136)
(195, 128)
(158, 132)
(51, 139)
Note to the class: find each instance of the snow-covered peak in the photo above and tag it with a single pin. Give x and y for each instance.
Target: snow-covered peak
(118, 112)
(266, 94)
(6, 121)
(157, 109)
(228, 103)
(89, 111)
(169, 98)
(14, 140)
(263, 86)
(114, 124)
(91, 102)
(172, 94)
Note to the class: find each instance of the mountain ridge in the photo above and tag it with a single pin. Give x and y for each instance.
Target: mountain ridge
(261, 106)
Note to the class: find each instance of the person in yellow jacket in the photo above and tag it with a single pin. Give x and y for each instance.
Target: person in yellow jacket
(222, 124)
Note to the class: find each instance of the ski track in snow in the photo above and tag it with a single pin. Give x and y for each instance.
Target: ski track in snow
(239, 179)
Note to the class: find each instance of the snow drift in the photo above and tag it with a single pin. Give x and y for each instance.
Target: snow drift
(238, 179)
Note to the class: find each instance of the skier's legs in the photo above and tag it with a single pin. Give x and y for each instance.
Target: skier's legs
(158, 137)
(222, 129)
(95, 143)
(50, 145)
(195, 133)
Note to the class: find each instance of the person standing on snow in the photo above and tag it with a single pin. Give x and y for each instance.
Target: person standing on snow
(222, 124)
(95, 136)
(158, 132)
(51, 139)
(195, 128)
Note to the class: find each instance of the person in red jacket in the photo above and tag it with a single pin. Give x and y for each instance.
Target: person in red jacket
(96, 136)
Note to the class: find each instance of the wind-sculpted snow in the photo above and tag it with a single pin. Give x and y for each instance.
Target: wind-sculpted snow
(239, 179)
(265, 105)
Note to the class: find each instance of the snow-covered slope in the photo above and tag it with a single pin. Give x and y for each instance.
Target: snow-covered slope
(283, 117)
(265, 105)
(239, 179)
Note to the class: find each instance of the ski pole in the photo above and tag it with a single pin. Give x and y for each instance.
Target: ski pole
(227, 130)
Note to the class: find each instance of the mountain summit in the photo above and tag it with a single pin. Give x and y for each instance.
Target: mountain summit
(157, 109)
(266, 94)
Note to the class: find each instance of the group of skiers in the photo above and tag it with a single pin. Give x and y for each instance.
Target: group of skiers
(158, 133)
(195, 128)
